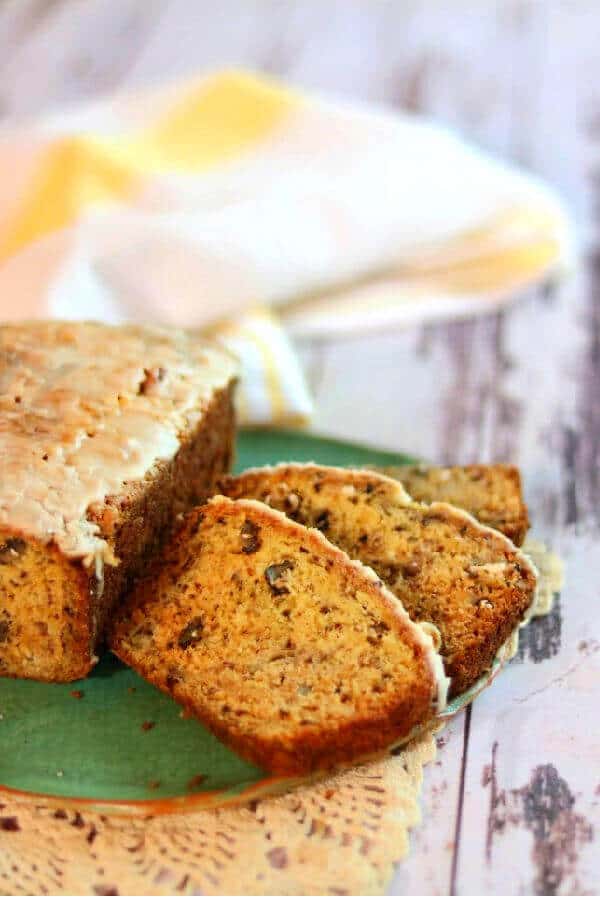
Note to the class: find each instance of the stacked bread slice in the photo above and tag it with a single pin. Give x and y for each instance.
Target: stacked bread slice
(295, 615)
(445, 567)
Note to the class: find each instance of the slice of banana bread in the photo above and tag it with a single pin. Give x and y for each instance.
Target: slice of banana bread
(490, 493)
(468, 580)
(290, 652)
(106, 434)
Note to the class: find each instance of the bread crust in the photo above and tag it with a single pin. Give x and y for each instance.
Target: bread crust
(146, 516)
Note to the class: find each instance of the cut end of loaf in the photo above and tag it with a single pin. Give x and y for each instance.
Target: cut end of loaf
(48, 637)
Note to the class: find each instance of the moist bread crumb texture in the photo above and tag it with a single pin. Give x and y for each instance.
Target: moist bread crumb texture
(108, 433)
(290, 652)
(43, 623)
(492, 493)
(468, 580)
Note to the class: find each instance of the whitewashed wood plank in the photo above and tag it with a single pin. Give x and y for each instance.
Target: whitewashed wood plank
(553, 862)
(428, 869)
(505, 388)
(70, 51)
(531, 812)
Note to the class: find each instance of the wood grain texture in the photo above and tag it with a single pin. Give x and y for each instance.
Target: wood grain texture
(513, 804)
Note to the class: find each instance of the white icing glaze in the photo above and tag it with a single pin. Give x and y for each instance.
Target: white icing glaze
(86, 408)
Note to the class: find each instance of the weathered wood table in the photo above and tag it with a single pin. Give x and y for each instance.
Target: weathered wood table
(513, 803)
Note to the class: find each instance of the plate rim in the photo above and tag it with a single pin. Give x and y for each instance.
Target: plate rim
(182, 803)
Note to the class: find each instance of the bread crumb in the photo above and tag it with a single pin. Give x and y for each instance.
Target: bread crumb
(196, 781)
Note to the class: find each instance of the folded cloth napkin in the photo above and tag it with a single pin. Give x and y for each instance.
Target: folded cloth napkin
(237, 206)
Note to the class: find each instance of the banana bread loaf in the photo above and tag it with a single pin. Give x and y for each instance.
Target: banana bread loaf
(290, 652)
(106, 434)
(490, 493)
(446, 568)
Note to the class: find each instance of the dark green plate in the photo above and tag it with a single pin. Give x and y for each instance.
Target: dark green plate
(122, 745)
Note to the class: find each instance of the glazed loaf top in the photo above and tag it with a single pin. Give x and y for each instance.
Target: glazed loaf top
(86, 408)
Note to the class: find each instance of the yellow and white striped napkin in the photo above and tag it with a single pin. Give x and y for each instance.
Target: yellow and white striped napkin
(234, 205)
